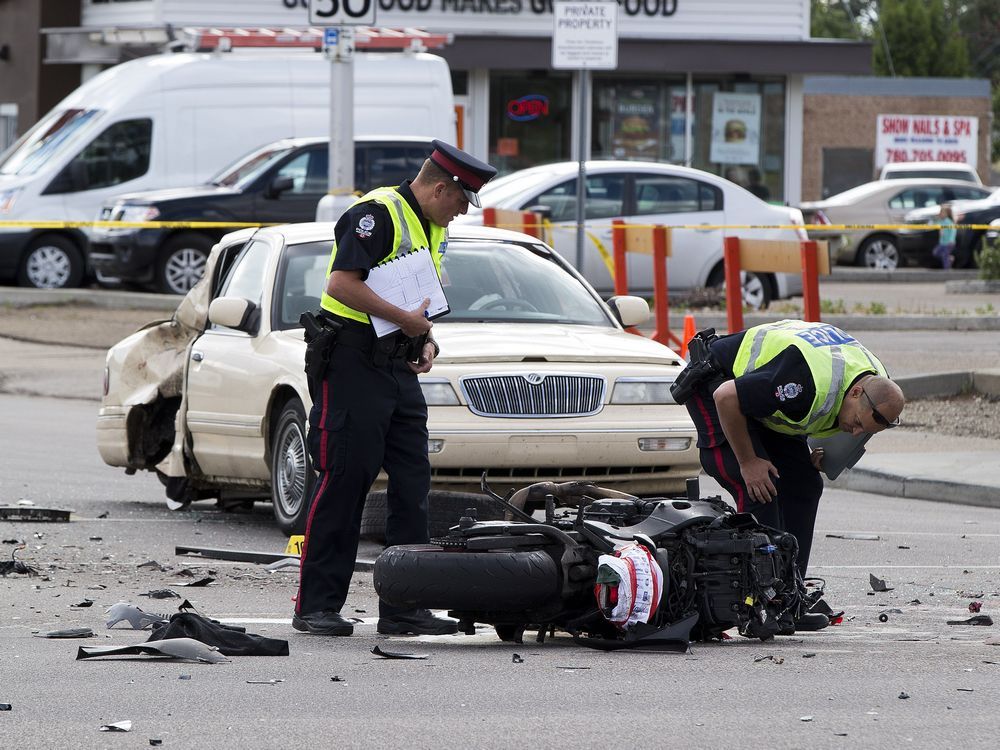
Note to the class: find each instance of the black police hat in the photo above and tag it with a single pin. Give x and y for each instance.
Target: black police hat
(465, 169)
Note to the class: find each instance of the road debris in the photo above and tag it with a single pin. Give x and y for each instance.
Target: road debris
(975, 606)
(234, 555)
(337, 678)
(83, 605)
(975, 620)
(154, 565)
(162, 594)
(187, 649)
(805, 718)
(855, 536)
(769, 657)
(516, 658)
(904, 696)
(135, 617)
(67, 633)
(883, 617)
(16, 566)
(809, 655)
(397, 654)
(24, 513)
(965, 690)
(200, 583)
(878, 584)
(118, 726)
(155, 742)
(5, 707)
(263, 682)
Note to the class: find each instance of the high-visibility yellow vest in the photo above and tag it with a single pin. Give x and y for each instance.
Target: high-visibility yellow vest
(407, 235)
(834, 358)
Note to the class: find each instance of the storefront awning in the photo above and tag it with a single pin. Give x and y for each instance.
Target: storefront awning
(815, 56)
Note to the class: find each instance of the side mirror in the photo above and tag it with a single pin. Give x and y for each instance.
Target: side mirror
(543, 210)
(280, 185)
(630, 311)
(234, 312)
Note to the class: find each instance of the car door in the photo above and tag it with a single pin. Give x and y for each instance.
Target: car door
(308, 170)
(605, 201)
(905, 201)
(229, 378)
(694, 211)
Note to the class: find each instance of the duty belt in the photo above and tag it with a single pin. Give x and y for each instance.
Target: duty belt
(361, 336)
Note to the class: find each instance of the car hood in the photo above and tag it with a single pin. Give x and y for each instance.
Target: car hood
(518, 342)
(173, 194)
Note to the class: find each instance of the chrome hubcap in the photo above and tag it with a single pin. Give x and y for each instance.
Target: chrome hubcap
(48, 267)
(882, 255)
(184, 269)
(291, 479)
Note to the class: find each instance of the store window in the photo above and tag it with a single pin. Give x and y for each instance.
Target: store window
(530, 119)
(739, 132)
(8, 125)
(639, 119)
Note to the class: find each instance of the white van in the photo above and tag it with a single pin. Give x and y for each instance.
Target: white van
(947, 170)
(177, 119)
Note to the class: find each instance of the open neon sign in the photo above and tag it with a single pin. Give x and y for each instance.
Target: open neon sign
(528, 107)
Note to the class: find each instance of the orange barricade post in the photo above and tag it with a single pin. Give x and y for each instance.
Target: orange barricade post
(653, 241)
(520, 221)
(774, 256)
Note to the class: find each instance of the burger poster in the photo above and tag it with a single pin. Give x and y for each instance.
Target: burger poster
(636, 123)
(735, 128)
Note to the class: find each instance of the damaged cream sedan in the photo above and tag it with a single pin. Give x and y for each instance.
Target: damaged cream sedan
(537, 379)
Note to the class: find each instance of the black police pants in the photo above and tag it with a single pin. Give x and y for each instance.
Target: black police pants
(799, 484)
(365, 417)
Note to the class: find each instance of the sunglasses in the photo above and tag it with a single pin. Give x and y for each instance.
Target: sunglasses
(878, 417)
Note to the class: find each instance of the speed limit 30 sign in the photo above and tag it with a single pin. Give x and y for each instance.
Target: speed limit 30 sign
(342, 12)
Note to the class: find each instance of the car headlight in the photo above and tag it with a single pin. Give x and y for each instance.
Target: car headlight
(7, 199)
(438, 392)
(136, 213)
(642, 391)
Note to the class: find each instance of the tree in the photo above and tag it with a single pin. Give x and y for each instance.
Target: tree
(921, 40)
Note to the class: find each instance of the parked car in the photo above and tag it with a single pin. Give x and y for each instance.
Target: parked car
(879, 203)
(921, 241)
(650, 193)
(278, 183)
(940, 170)
(175, 119)
(536, 380)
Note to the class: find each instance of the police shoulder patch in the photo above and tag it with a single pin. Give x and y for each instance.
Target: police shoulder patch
(365, 226)
(788, 391)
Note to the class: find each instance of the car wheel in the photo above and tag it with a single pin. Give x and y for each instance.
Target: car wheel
(291, 470)
(756, 287)
(182, 262)
(878, 252)
(51, 262)
(443, 511)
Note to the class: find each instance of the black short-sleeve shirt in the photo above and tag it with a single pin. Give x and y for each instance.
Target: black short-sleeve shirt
(784, 384)
(364, 234)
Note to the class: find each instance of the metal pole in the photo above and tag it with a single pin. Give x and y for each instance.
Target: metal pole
(583, 148)
(341, 182)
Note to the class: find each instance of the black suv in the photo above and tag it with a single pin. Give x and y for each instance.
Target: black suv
(276, 184)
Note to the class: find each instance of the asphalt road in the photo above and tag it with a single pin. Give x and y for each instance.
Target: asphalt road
(469, 693)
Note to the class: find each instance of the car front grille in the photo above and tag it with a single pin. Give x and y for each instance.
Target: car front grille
(534, 394)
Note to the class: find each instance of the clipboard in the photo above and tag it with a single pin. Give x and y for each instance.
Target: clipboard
(406, 281)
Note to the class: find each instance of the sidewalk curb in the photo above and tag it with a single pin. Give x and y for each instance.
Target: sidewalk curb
(852, 323)
(109, 298)
(917, 488)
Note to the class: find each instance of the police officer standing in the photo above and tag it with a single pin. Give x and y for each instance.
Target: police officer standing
(756, 395)
(368, 410)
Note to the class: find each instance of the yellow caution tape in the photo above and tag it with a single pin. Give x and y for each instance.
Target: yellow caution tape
(548, 228)
(808, 227)
(136, 224)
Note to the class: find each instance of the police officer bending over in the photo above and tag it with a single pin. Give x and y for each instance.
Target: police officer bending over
(368, 410)
(755, 396)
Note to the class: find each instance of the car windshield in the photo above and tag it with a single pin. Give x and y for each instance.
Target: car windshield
(38, 145)
(485, 281)
(247, 169)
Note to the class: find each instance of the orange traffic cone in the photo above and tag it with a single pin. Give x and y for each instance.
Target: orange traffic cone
(689, 332)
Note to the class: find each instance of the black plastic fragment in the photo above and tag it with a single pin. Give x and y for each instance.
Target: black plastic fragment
(878, 584)
(67, 633)
(516, 658)
(397, 654)
(27, 513)
(976, 620)
(162, 594)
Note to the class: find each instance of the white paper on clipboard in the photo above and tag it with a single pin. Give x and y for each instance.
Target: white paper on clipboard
(406, 281)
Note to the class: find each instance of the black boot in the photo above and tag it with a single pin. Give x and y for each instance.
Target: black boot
(324, 622)
(805, 622)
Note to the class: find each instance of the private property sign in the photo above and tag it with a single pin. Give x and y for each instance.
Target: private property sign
(585, 35)
(926, 138)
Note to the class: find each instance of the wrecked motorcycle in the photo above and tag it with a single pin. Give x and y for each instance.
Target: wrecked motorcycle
(720, 569)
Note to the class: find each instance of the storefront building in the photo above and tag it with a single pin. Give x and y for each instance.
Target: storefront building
(712, 84)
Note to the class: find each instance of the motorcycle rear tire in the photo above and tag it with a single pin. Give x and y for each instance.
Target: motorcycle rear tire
(430, 577)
